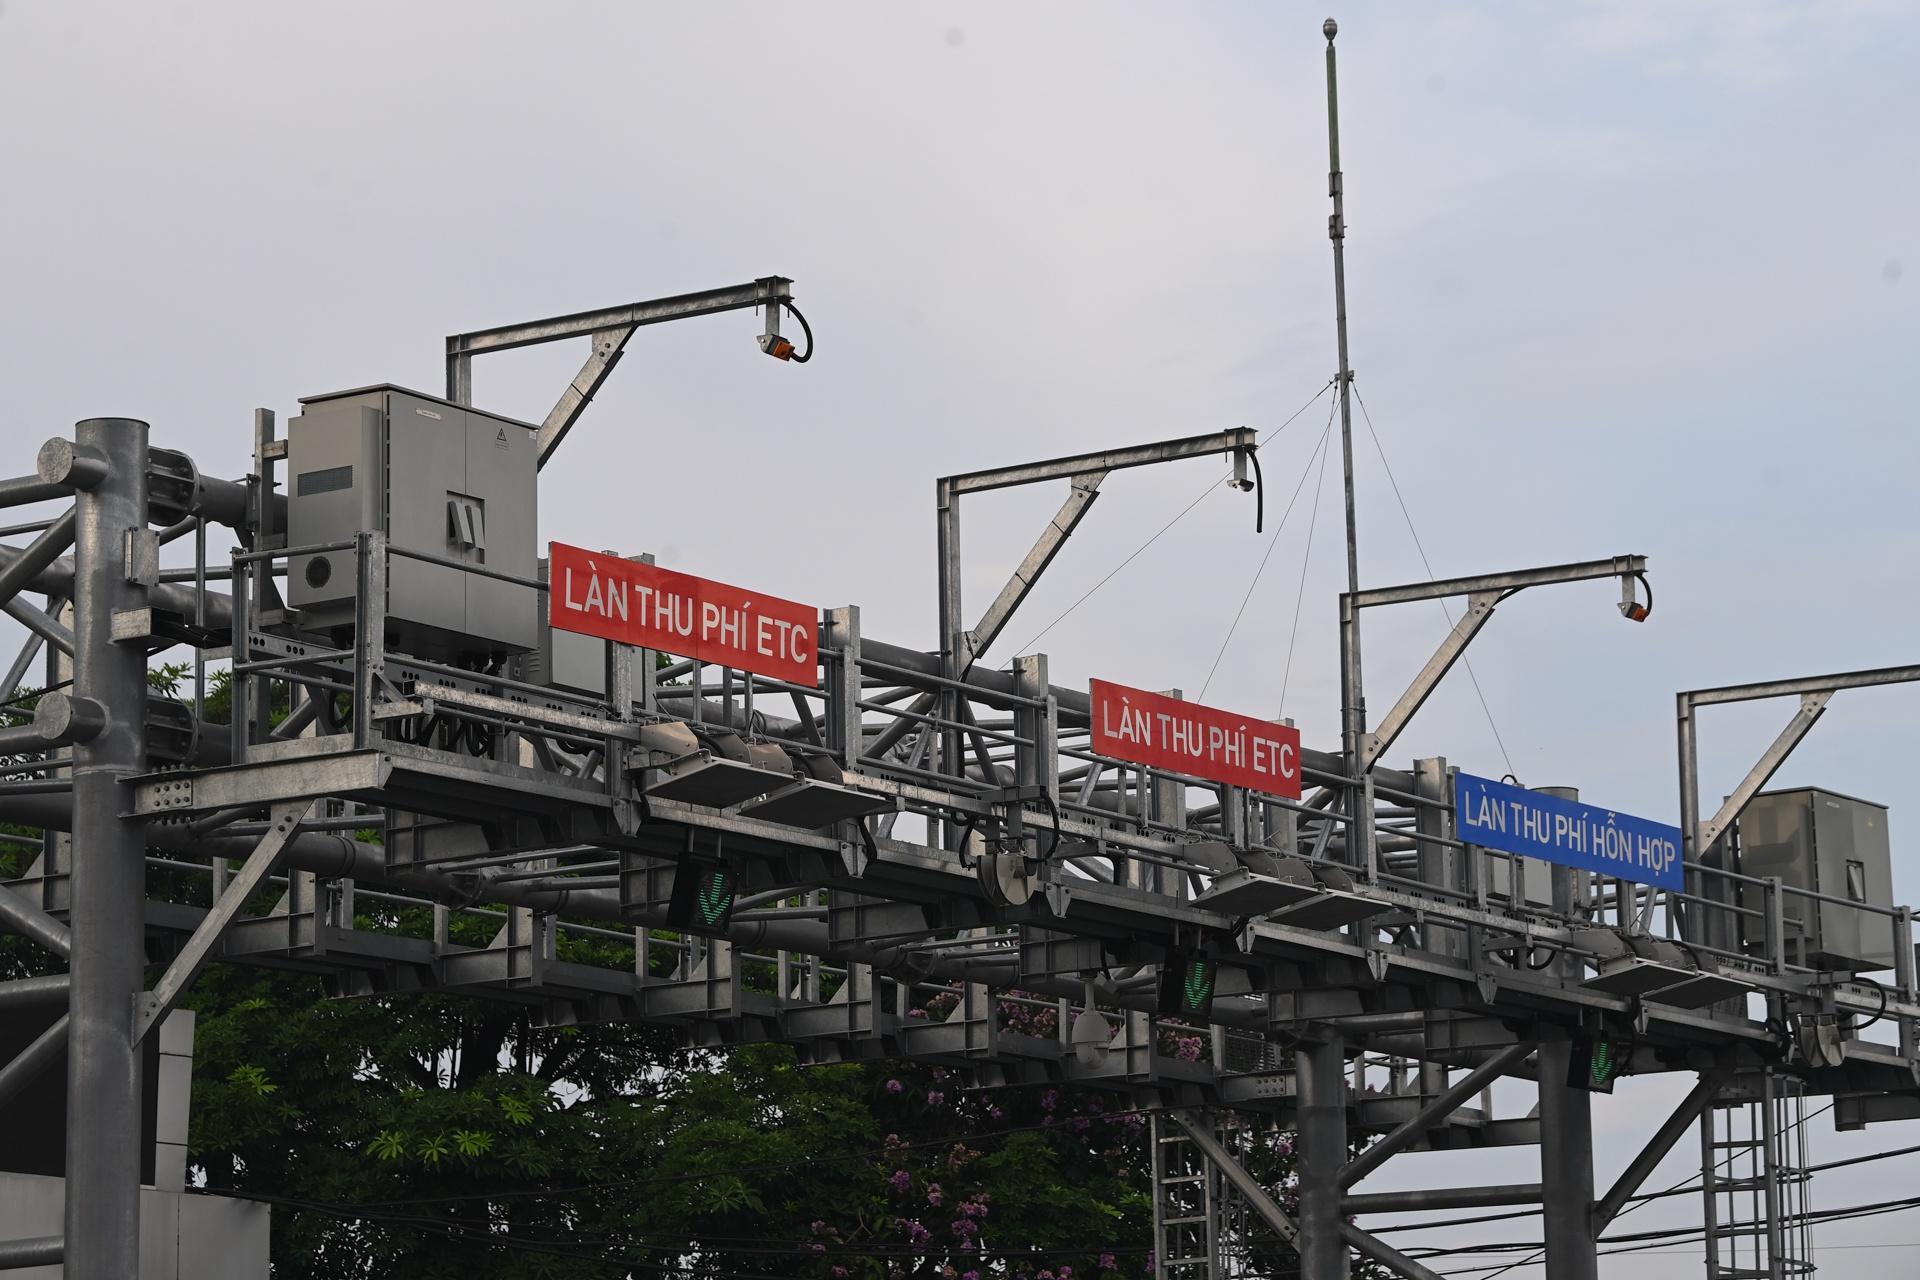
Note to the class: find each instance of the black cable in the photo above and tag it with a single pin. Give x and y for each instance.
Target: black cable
(1648, 587)
(1204, 493)
(1882, 1011)
(1259, 493)
(1472, 677)
(1306, 559)
(1271, 544)
(801, 357)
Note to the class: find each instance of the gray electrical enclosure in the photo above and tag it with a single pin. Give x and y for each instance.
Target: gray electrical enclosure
(1833, 845)
(435, 477)
(566, 659)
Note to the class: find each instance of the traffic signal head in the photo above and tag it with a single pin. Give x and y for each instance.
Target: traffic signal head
(702, 900)
(1186, 983)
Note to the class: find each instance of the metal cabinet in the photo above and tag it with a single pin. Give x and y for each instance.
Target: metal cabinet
(436, 477)
(1832, 845)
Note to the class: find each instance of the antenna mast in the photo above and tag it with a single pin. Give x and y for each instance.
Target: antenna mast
(1352, 699)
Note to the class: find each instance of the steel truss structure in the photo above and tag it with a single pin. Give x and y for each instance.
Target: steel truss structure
(921, 830)
(916, 844)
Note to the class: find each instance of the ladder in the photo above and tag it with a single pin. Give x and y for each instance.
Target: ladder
(1755, 1185)
(1186, 1206)
(1202, 1228)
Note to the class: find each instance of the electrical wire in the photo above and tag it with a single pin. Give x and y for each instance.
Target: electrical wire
(1300, 595)
(1272, 542)
(801, 357)
(1028, 646)
(1445, 611)
(1686, 1183)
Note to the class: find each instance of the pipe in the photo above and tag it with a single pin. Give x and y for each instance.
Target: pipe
(39, 553)
(27, 1065)
(25, 993)
(57, 579)
(330, 855)
(1432, 1198)
(29, 921)
(34, 1251)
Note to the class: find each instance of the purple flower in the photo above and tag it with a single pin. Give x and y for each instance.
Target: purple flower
(995, 1112)
(1151, 1260)
(934, 1194)
(1108, 1262)
(969, 1275)
(916, 1233)
(819, 1226)
(839, 1273)
(816, 1249)
(1048, 1101)
(963, 1227)
(900, 1180)
(894, 1086)
(1066, 1273)
(935, 1097)
(1044, 1275)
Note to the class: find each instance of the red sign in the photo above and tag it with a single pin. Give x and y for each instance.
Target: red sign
(1185, 737)
(654, 608)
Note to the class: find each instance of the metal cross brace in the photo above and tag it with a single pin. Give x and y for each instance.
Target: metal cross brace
(283, 825)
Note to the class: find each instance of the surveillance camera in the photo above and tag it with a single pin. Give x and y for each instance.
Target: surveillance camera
(776, 346)
(1634, 611)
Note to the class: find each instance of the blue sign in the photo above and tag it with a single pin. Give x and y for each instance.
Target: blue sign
(1513, 819)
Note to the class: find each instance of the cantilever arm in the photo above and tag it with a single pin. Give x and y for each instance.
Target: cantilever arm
(1483, 592)
(1086, 471)
(610, 329)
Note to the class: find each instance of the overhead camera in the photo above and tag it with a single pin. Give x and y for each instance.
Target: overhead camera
(782, 348)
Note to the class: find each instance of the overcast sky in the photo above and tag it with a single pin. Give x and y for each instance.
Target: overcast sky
(1623, 278)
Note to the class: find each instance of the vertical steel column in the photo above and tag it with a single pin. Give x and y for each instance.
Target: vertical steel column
(109, 874)
(1320, 1069)
(1566, 1167)
(1680, 916)
(948, 751)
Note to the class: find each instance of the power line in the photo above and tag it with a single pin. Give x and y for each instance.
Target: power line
(1638, 1202)
(1305, 560)
(1446, 612)
(1028, 646)
(1272, 542)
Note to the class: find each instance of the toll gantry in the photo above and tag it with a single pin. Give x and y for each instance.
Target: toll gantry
(870, 850)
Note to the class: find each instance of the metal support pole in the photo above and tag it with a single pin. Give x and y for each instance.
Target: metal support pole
(1322, 1078)
(1566, 1167)
(109, 871)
